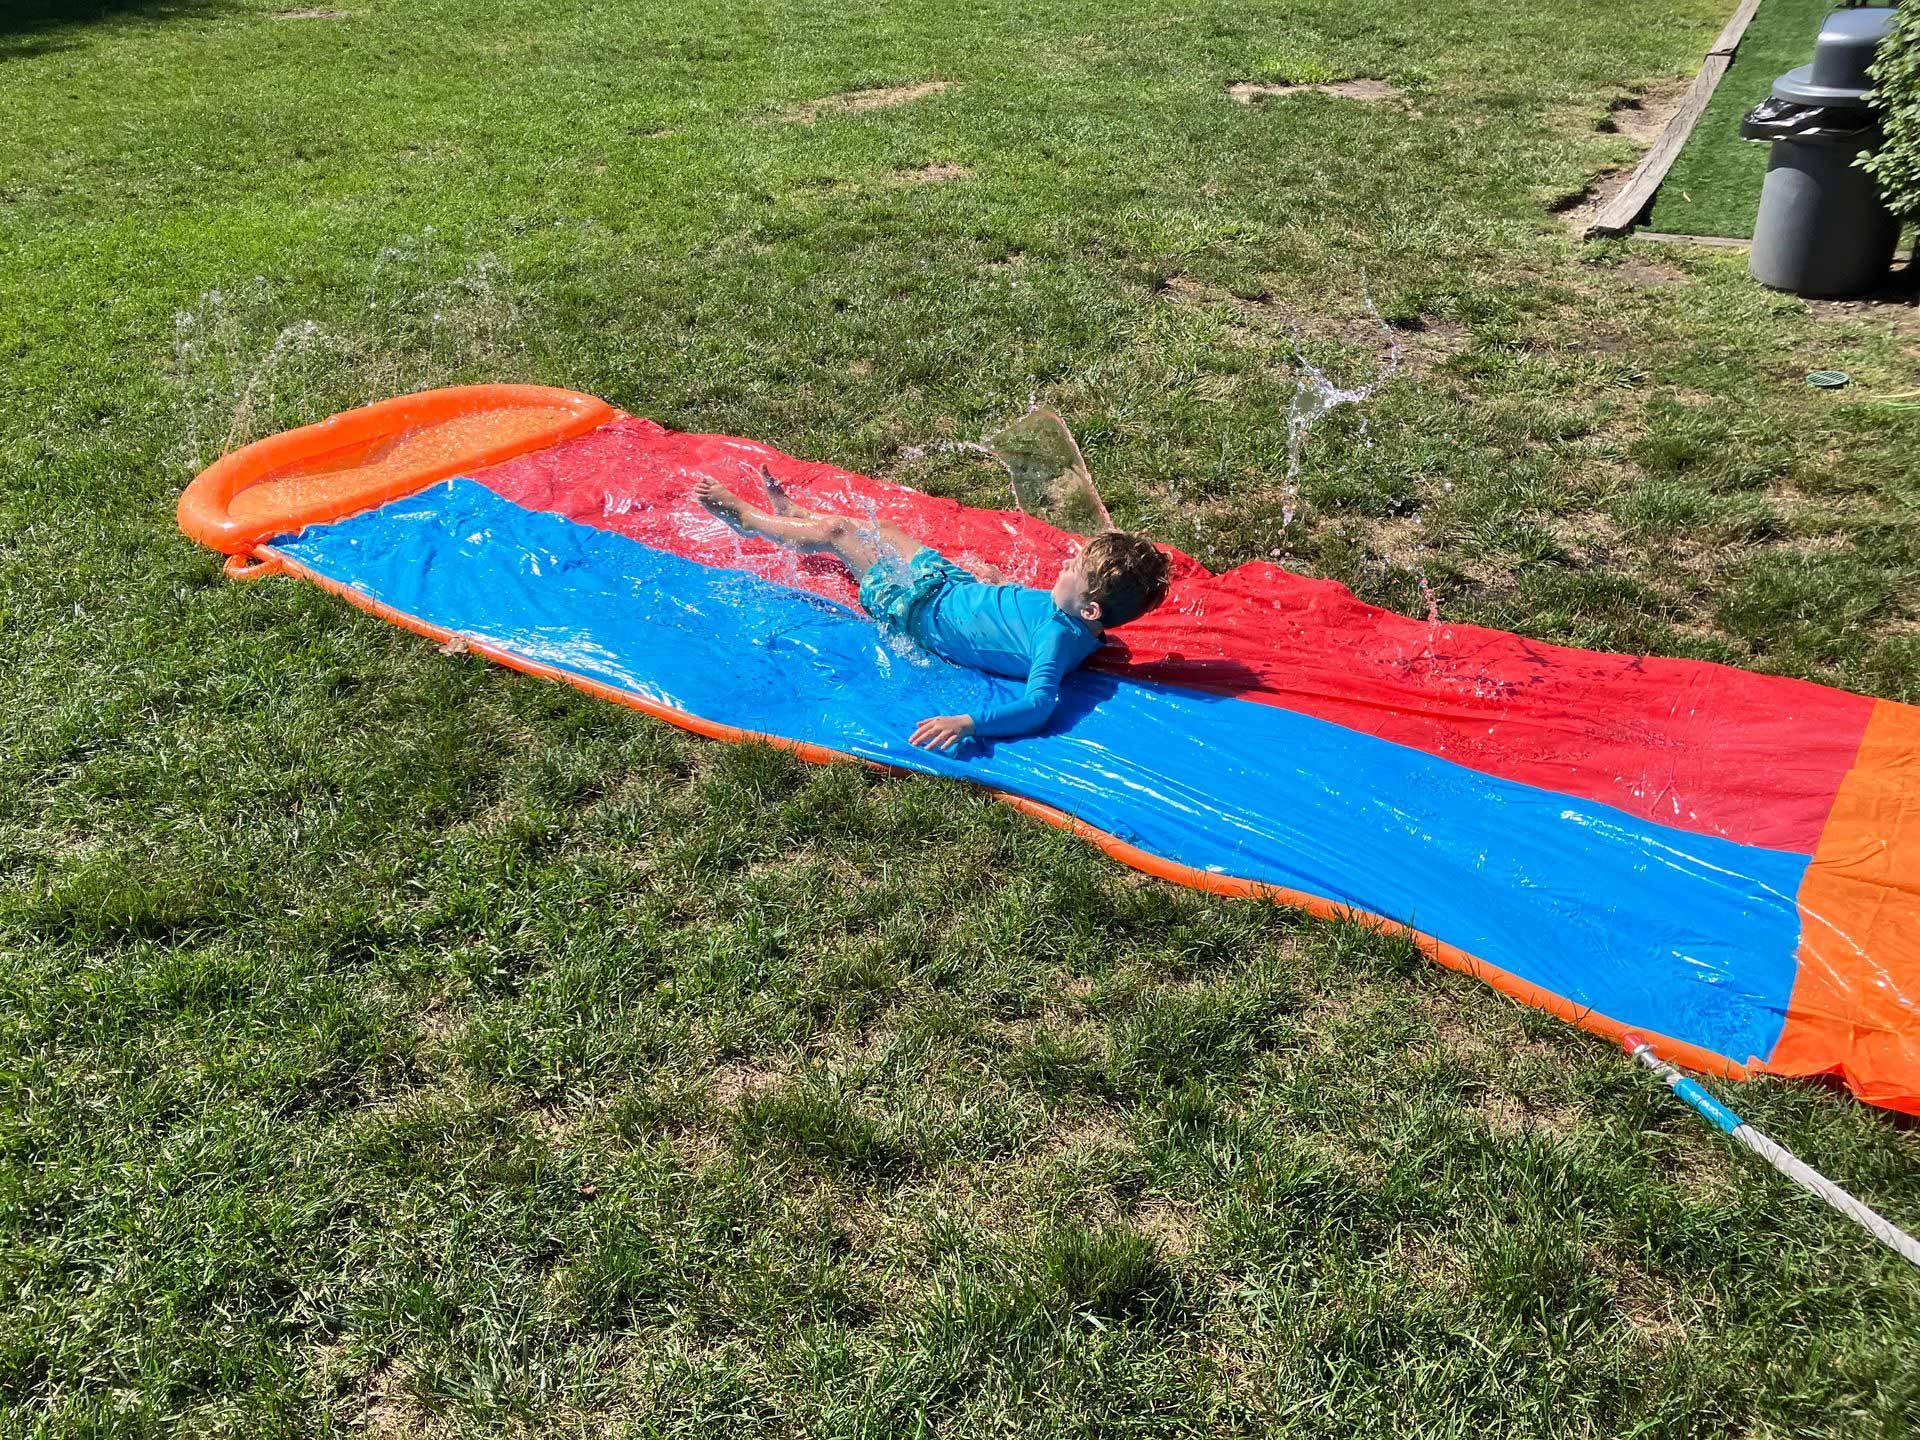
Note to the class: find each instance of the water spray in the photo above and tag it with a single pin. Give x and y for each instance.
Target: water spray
(1314, 395)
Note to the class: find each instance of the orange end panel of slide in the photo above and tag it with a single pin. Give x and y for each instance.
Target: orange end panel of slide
(1860, 925)
(369, 456)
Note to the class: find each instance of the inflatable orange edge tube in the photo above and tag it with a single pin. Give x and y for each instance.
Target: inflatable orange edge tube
(362, 458)
(1678, 1051)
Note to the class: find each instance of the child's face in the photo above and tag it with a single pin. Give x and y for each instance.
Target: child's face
(1070, 593)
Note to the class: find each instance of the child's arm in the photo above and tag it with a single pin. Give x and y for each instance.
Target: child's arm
(1017, 717)
(1032, 710)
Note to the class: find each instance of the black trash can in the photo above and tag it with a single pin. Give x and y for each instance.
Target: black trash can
(1822, 229)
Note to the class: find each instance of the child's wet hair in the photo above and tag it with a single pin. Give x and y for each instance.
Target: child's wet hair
(1126, 575)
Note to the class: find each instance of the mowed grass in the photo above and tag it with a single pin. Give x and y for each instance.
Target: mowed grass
(1714, 186)
(398, 1046)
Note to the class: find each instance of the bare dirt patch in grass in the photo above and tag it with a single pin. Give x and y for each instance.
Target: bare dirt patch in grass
(1593, 337)
(1895, 309)
(730, 1084)
(1589, 536)
(854, 101)
(1792, 504)
(390, 1409)
(555, 1124)
(935, 173)
(1175, 1229)
(1426, 343)
(1645, 271)
(1102, 1130)
(1249, 92)
(1395, 540)
(1259, 321)
(1650, 1307)
(1411, 542)
(1640, 118)
(437, 1025)
(698, 1149)
(886, 1241)
(1453, 1036)
(1508, 1114)
(1432, 1263)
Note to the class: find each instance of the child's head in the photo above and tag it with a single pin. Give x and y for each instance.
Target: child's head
(1117, 577)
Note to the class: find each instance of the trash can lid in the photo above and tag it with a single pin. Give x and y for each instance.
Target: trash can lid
(1838, 74)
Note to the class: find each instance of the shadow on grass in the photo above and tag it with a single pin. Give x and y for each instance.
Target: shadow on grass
(40, 27)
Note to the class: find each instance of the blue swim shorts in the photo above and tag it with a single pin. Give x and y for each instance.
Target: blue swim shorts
(894, 592)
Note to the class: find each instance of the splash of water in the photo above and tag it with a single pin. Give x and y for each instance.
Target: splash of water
(945, 447)
(1050, 477)
(296, 341)
(240, 369)
(1433, 613)
(1314, 395)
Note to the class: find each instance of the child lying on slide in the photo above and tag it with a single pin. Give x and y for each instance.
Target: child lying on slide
(1035, 635)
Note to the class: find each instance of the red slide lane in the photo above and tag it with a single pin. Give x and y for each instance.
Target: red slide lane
(1753, 758)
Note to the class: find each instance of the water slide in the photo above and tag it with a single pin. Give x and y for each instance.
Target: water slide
(1726, 863)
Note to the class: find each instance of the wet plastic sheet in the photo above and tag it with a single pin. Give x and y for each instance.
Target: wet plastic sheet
(1729, 861)
(1689, 935)
(1753, 758)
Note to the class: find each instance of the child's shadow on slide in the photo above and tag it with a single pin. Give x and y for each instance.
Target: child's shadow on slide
(1206, 681)
(1208, 677)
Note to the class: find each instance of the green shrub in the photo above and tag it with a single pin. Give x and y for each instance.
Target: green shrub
(1896, 90)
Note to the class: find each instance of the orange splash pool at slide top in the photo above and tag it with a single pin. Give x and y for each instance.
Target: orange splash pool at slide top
(363, 458)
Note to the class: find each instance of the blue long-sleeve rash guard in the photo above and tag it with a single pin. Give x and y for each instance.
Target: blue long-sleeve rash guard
(1008, 630)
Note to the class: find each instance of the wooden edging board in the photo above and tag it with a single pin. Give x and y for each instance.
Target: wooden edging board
(1616, 217)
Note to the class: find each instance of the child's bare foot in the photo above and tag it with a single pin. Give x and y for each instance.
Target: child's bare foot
(778, 501)
(717, 498)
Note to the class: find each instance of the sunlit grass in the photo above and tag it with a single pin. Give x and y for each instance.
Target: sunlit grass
(397, 1045)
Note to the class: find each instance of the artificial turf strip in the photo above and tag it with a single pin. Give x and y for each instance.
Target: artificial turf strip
(392, 1045)
(1714, 186)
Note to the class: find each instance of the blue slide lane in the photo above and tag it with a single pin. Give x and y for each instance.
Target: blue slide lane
(1684, 934)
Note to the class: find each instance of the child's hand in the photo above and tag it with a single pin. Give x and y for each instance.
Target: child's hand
(942, 732)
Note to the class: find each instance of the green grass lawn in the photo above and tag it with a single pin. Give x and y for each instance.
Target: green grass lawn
(399, 1046)
(1714, 186)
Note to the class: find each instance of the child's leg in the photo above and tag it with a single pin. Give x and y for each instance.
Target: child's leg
(790, 525)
